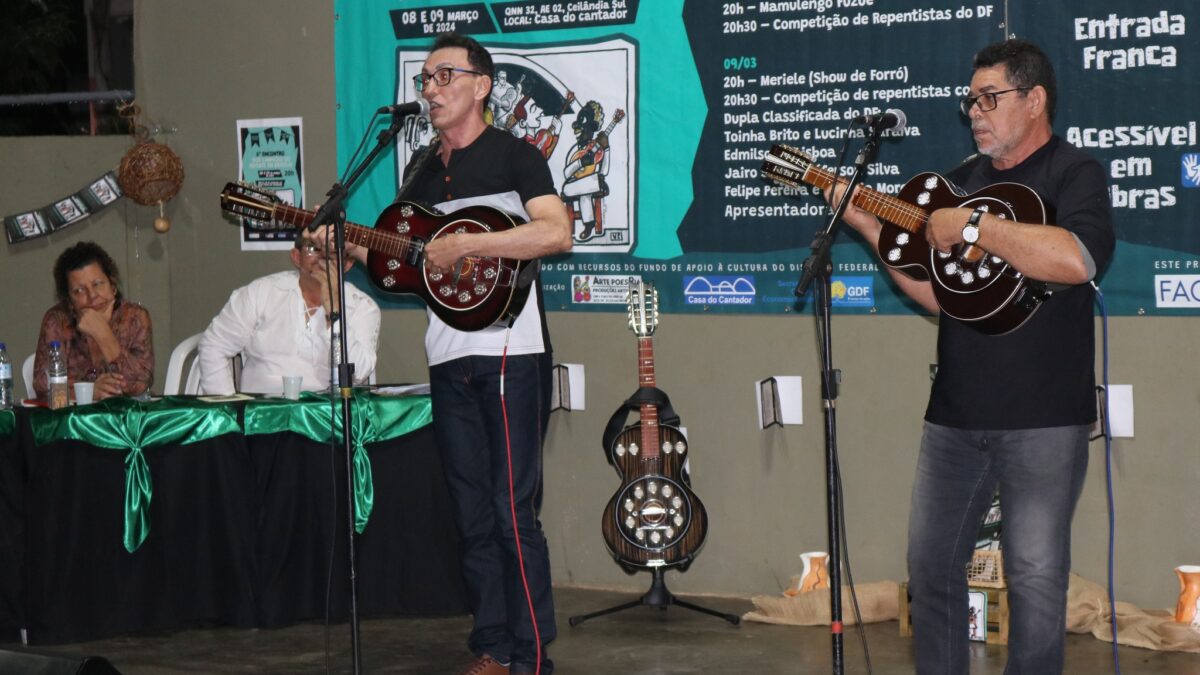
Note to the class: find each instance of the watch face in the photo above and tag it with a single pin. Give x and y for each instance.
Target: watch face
(970, 234)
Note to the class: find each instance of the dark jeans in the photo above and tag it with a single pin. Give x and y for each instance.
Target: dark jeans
(1040, 473)
(470, 428)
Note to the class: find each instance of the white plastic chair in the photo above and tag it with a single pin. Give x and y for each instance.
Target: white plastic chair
(180, 357)
(27, 374)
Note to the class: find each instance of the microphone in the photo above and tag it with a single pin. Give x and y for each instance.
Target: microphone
(417, 107)
(892, 119)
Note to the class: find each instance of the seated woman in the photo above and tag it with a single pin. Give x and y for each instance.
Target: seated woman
(105, 339)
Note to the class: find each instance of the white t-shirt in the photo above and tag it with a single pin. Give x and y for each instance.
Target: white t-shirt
(443, 343)
(267, 322)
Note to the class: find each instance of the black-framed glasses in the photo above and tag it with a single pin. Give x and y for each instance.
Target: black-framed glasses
(441, 76)
(313, 249)
(987, 101)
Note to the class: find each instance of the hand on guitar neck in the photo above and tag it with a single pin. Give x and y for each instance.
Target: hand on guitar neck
(870, 228)
(323, 236)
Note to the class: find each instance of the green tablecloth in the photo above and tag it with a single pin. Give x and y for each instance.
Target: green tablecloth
(136, 426)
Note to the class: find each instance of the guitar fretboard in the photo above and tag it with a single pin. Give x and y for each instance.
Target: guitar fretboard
(389, 243)
(649, 411)
(904, 215)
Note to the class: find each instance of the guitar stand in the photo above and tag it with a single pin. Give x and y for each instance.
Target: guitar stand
(657, 596)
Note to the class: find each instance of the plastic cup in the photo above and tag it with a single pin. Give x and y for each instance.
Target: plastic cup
(291, 386)
(84, 392)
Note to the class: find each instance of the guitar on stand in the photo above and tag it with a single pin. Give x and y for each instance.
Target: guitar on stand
(654, 521)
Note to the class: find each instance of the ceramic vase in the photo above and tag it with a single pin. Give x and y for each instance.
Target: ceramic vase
(1189, 594)
(815, 574)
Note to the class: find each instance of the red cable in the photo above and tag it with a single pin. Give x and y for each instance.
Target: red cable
(512, 507)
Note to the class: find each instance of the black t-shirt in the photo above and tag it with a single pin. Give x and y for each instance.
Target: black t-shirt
(1043, 373)
(499, 170)
(496, 163)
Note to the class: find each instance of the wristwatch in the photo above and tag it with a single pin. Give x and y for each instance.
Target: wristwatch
(970, 231)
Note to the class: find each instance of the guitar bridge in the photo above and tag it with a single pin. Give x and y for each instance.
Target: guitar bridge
(416, 253)
(507, 276)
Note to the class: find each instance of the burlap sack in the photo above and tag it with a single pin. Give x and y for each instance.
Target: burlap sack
(878, 601)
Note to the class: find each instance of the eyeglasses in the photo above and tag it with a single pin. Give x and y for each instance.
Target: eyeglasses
(313, 249)
(441, 77)
(96, 287)
(987, 101)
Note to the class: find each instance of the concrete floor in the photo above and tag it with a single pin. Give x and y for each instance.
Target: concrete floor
(641, 641)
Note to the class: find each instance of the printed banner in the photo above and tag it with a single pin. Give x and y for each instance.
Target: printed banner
(66, 211)
(270, 157)
(655, 117)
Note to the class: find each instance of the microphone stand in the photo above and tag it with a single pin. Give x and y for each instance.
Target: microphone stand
(333, 213)
(819, 264)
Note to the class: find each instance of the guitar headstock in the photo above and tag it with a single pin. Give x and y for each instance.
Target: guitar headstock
(643, 308)
(786, 165)
(254, 204)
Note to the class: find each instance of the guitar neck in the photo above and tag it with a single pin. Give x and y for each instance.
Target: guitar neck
(649, 411)
(907, 216)
(390, 243)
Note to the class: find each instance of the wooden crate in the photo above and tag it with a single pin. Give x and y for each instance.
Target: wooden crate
(997, 615)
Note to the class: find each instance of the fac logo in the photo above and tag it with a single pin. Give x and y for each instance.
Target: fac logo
(1190, 170)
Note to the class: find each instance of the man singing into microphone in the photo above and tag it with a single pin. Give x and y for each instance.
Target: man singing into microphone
(1009, 411)
(490, 388)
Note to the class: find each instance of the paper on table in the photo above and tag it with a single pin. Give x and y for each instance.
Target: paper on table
(404, 389)
(225, 399)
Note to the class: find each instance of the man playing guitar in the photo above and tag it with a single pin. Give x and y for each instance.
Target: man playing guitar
(1009, 411)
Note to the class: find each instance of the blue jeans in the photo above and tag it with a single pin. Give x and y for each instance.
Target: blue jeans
(1040, 473)
(470, 429)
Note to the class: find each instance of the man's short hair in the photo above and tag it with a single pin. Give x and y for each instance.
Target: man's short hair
(477, 56)
(1026, 65)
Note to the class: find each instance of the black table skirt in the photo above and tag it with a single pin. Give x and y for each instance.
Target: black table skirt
(241, 534)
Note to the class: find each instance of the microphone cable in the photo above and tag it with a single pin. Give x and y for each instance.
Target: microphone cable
(512, 507)
(1108, 471)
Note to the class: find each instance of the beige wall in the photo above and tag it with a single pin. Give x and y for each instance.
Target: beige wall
(201, 66)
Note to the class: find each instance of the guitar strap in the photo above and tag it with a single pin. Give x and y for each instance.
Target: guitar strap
(643, 396)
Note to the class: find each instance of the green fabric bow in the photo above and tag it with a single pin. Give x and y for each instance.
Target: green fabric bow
(125, 424)
(372, 419)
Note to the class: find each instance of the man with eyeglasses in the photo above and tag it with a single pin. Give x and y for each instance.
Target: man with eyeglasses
(1008, 411)
(280, 325)
(491, 387)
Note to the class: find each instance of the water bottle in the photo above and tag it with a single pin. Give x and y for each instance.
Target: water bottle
(60, 396)
(337, 359)
(6, 401)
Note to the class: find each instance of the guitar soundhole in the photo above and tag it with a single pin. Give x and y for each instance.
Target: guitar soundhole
(965, 270)
(473, 281)
(654, 514)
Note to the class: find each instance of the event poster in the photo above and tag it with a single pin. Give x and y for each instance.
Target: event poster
(270, 156)
(655, 118)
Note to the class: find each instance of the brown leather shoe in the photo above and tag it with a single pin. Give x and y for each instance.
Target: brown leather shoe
(485, 665)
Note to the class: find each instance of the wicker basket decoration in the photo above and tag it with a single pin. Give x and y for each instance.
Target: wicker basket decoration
(150, 172)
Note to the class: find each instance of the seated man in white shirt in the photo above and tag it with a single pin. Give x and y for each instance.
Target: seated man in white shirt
(280, 325)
